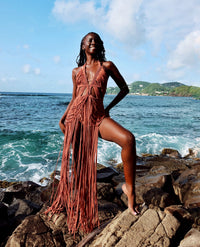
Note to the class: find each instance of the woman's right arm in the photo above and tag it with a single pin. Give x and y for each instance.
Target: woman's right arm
(62, 120)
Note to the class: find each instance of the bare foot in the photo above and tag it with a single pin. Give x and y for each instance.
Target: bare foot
(131, 200)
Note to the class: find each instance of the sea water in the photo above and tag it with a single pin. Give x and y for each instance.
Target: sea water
(30, 138)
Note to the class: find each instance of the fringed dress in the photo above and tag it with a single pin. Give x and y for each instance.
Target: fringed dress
(76, 192)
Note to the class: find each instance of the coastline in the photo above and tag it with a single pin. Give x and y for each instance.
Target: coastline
(167, 184)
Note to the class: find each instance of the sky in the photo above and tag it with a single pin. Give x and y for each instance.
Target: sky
(148, 40)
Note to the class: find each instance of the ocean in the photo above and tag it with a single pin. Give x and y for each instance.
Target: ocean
(30, 138)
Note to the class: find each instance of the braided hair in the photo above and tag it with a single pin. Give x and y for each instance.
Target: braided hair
(81, 58)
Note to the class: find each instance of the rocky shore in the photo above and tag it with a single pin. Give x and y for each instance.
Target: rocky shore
(167, 189)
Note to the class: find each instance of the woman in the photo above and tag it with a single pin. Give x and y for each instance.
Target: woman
(84, 120)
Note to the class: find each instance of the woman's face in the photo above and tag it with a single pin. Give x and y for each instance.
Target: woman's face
(91, 43)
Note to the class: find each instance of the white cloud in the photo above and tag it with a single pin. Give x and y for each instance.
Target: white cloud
(26, 68)
(122, 21)
(187, 53)
(8, 79)
(133, 21)
(170, 27)
(56, 59)
(37, 71)
(73, 10)
(170, 20)
(117, 17)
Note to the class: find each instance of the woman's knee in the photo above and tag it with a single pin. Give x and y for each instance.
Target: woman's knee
(129, 139)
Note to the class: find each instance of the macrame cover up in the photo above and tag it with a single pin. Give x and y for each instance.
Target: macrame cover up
(76, 192)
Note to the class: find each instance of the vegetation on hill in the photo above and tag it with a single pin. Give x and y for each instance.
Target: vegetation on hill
(154, 89)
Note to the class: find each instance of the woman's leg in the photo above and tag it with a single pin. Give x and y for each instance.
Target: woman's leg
(111, 131)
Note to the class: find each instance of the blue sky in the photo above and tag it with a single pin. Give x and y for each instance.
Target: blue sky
(149, 40)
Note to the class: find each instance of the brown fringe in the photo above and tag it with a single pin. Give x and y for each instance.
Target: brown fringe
(76, 192)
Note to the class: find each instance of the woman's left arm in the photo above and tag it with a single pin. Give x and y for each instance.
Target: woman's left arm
(119, 80)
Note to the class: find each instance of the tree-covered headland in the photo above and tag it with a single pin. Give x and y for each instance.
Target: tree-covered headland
(157, 89)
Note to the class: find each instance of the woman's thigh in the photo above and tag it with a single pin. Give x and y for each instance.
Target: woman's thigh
(112, 131)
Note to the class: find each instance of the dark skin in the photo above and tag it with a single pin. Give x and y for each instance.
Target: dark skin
(109, 129)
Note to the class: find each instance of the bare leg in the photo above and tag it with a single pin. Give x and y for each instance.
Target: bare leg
(112, 131)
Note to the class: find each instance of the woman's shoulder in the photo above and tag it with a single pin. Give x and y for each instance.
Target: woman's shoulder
(76, 70)
(109, 66)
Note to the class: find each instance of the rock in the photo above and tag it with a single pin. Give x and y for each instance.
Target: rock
(5, 184)
(107, 210)
(3, 211)
(158, 197)
(105, 191)
(191, 239)
(161, 182)
(118, 179)
(193, 154)
(106, 174)
(150, 181)
(33, 232)
(151, 228)
(4, 225)
(22, 208)
(187, 187)
(171, 164)
(171, 153)
(26, 186)
(179, 212)
(22, 190)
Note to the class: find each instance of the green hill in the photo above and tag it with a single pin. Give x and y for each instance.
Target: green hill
(186, 91)
(172, 84)
(153, 89)
(138, 86)
(156, 89)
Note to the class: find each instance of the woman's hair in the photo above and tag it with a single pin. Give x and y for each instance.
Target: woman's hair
(81, 58)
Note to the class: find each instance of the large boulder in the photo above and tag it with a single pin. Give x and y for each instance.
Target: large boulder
(151, 228)
(187, 187)
(33, 232)
(191, 239)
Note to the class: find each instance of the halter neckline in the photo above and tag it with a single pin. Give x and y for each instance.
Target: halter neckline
(96, 74)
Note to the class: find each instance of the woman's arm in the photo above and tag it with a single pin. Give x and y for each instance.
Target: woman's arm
(62, 120)
(119, 80)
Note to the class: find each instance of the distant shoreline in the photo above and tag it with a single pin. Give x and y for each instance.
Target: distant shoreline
(175, 89)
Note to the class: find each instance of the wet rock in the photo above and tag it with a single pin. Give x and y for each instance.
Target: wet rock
(171, 153)
(152, 228)
(5, 184)
(22, 190)
(105, 174)
(26, 186)
(191, 239)
(193, 154)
